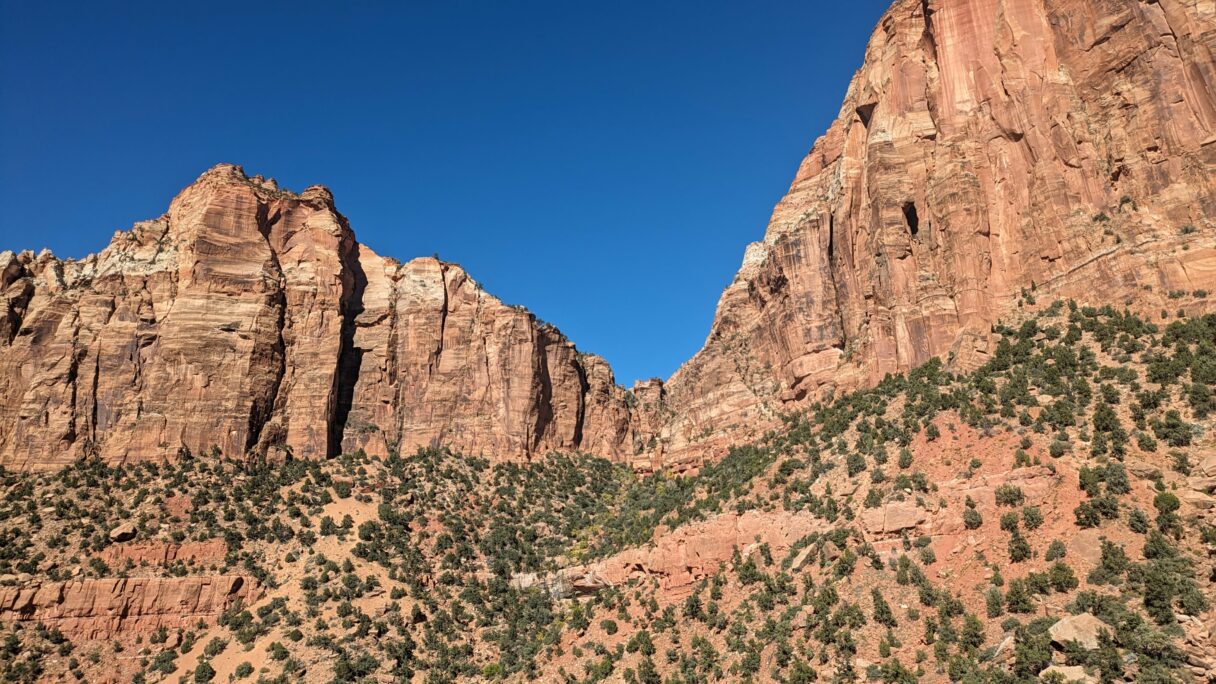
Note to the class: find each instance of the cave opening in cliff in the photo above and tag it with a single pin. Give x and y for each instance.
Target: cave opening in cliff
(865, 112)
(911, 218)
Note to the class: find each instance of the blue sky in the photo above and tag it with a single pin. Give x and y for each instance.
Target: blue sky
(604, 164)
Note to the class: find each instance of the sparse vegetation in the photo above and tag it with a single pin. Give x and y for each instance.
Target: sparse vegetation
(941, 512)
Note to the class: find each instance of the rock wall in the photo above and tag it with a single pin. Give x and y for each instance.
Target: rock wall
(103, 608)
(210, 551)
(438, 361)
(986, 150)
(249, 319)
(216, 325)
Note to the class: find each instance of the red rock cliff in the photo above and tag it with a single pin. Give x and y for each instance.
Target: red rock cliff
(104, 608)
(985, 148)
(249, 319)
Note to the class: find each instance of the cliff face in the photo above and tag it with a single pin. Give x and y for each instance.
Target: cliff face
(985, 147)
(249, 319)
(103, 608)
(985, 150)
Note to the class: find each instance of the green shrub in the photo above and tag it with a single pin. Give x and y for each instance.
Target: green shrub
(972, 518)
(1009, 495)
(1032, 517)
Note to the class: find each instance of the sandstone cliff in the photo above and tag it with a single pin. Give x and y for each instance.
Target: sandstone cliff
(103, 608)
(988, 152)
(249, 319)
(984, 148)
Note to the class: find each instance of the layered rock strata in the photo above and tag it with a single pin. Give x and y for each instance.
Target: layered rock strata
(210, 551)
(248, 319)
(985, 149)
(989, 154)
(103, 608)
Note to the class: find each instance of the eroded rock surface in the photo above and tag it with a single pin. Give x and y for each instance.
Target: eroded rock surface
(249, 319)
(1083, 629)
(985, 147)
(987, 152)
(101, 608)
(164, 553)
(680, 558)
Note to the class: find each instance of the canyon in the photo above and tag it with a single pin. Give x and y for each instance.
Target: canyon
(239, 438)
(987, 153)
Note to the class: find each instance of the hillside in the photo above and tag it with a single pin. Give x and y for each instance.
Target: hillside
(1053, 508)
(954, 419)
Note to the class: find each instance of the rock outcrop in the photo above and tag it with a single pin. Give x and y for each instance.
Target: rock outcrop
(985, 148)
(988, 152)
(249, 319)
(164, 553)
(102, 608)
(1083, 629)
(679, 558)
(1066, 673)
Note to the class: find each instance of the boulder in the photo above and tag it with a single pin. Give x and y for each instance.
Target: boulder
(583, 582)
(1086, 545)
(893, 518)
(124, 532)
(1003, 649)
(801, 559)
(1083, 629)
(1205, 484)
(1199, 500)
(1206, 467)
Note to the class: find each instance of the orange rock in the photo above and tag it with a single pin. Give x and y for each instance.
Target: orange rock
(984, 149)
(892, 518)
(101, 608)
(163, 553)
(249, 319)
(443, 363)
(680, 558)
(178, 505)
(1083, 629)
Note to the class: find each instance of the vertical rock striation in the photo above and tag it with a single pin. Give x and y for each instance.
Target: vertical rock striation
(442, 362)
(216, 325)
(248, 319)
(985, 148)
(106, 607)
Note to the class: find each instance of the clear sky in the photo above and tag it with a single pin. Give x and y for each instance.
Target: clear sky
(604, 164)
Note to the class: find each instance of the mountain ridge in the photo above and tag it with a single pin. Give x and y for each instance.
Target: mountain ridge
(987, 152)
(296, 283)
(955, 419)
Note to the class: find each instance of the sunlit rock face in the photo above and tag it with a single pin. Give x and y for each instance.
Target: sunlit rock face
(104, 608)
(988, 152)
(984, 148)
(248, 319)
